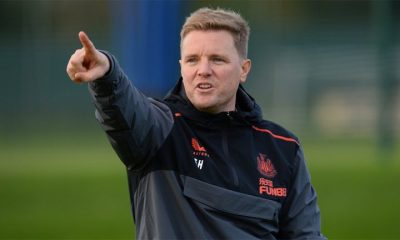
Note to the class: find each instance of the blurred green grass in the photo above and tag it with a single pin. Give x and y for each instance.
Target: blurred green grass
(63, 186)
(70, 185)
(357, 186)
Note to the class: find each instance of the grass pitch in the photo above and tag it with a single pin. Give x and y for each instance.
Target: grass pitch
(72, 186)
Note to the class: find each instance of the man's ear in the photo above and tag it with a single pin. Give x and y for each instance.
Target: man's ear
(180, 65)
(245, 69)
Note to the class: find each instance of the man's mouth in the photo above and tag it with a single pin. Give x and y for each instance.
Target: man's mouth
(204, 86)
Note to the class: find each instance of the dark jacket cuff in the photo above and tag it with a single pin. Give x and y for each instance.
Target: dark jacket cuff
(105, 85)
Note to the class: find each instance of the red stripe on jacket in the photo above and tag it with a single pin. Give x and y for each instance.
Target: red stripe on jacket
(287, 139)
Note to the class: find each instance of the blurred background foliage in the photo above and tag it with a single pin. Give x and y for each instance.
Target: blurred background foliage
(327, 70)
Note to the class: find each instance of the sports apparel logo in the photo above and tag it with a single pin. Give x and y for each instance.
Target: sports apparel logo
(198, 149)
(265, 166)
(199, 153)
(196, 146)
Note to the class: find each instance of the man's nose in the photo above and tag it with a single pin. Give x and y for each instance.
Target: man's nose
(204, 69)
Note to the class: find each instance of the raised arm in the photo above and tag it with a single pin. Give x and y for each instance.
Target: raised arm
(135, 125)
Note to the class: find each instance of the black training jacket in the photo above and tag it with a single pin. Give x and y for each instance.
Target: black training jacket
(194, 175)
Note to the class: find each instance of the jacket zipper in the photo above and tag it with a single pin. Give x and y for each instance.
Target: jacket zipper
(225, 149)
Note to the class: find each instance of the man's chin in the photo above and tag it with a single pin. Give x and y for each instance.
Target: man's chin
(208, 108)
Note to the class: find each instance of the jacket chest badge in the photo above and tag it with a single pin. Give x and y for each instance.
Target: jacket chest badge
(199, 153)
(265, 166)
(266, 186)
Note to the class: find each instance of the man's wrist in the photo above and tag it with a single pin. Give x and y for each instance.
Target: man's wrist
(105, 84)
(108, 63)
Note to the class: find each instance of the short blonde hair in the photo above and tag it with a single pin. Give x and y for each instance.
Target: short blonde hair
(206, 19)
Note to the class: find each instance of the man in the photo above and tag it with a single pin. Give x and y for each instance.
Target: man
(202, 163)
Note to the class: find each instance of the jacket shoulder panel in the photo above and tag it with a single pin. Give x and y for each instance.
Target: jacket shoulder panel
(276, 131)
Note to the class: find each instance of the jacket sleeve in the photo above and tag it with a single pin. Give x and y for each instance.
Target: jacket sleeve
(135, 125)
(300, 215)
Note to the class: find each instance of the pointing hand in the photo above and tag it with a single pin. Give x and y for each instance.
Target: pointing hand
(87, 64)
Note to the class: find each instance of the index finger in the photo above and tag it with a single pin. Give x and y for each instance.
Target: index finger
(86, 43)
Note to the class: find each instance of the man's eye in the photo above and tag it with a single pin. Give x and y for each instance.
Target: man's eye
(218, 60)
(191, 60)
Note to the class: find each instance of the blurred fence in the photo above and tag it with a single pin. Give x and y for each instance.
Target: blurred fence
(321, 66)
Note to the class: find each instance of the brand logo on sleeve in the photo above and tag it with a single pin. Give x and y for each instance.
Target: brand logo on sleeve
(265, 166)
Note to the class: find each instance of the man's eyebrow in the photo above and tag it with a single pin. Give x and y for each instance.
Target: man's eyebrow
(190, 56)
(217, 55)
(210, 56)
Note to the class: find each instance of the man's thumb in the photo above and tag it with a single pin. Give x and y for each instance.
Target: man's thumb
(88, 76)
(83, 77)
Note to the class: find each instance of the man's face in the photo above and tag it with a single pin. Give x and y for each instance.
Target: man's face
(212, 69)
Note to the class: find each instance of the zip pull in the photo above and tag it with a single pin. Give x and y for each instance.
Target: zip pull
(228, 115)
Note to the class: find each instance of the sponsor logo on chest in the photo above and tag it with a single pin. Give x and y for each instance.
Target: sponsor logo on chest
(265, 183)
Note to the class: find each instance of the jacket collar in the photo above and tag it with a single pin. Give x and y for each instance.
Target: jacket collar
(247, 112)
